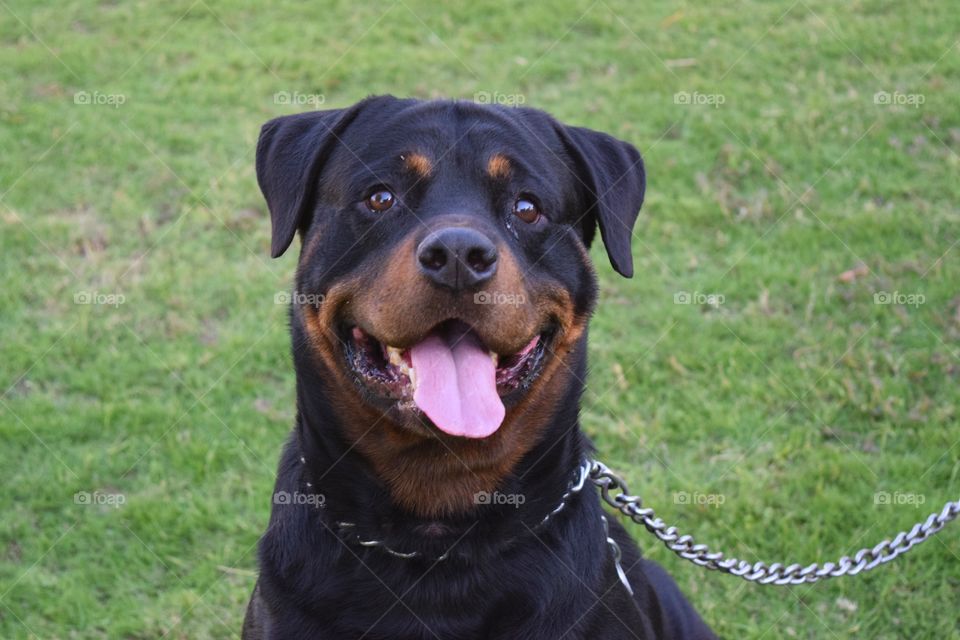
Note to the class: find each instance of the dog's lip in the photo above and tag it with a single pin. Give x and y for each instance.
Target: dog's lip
(400, 356)
(391, 379)
(546, 330)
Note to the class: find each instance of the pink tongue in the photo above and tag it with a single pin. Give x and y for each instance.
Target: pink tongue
(456, 384)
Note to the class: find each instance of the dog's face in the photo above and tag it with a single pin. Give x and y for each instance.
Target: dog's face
(444, 284)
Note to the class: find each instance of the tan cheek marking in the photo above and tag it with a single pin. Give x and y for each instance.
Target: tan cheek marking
(498, 167)
(419, 164)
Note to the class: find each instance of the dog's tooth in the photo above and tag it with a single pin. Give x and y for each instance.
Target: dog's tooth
(395, 356)
(412, 374)
(408, 371)
(496, 358)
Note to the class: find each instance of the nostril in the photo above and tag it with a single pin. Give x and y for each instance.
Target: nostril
(481, 259)
(434, 258)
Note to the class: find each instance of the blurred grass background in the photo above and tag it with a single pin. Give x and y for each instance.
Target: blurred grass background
(803, 163)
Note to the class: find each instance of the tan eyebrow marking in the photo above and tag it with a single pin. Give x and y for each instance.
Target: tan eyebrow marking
(498, 166)
(418, 163)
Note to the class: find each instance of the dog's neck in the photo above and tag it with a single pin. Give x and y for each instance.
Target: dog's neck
(352, 492)
(432, 540)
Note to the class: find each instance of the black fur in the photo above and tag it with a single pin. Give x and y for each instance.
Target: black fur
(501, 579)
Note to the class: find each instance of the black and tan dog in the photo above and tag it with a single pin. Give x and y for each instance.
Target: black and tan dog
(439, 339)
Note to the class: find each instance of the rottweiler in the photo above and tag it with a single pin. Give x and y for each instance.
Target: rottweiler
(432, 486)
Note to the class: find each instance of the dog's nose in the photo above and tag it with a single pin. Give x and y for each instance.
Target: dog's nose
(458, 258)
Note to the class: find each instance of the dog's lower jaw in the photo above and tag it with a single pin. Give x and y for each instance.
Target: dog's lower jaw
(428, 479)
(426, 476)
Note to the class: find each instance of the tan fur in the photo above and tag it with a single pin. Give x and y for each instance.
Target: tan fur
(498, 167)
(418, 163)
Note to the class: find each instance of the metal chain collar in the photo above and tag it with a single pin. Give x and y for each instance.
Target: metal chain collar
(760, 572)
(575, 486)
(584, 471)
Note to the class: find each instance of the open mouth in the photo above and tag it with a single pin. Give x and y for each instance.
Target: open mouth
(450, 376)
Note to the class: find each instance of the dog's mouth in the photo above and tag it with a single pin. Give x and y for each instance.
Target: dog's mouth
(449, 375)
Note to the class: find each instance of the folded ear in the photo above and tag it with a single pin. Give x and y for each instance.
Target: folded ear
(291, 153)
(614, 182)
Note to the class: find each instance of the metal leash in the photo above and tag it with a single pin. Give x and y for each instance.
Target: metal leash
(760, 572)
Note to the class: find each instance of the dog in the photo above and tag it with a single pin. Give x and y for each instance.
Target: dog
(432, 486)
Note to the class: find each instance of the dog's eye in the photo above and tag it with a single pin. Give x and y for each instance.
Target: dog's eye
(526, 209)
(380, 200)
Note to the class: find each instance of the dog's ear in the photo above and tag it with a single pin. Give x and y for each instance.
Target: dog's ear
(291, 153)
(613, 181)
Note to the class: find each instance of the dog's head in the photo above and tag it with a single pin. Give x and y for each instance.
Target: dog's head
(444, 283)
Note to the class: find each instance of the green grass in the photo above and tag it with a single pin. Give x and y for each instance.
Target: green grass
(794, 401)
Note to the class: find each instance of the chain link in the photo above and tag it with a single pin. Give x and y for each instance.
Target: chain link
(615, 492)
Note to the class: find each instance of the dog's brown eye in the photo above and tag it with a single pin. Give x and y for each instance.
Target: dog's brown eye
(380, 201)
(526, 210)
